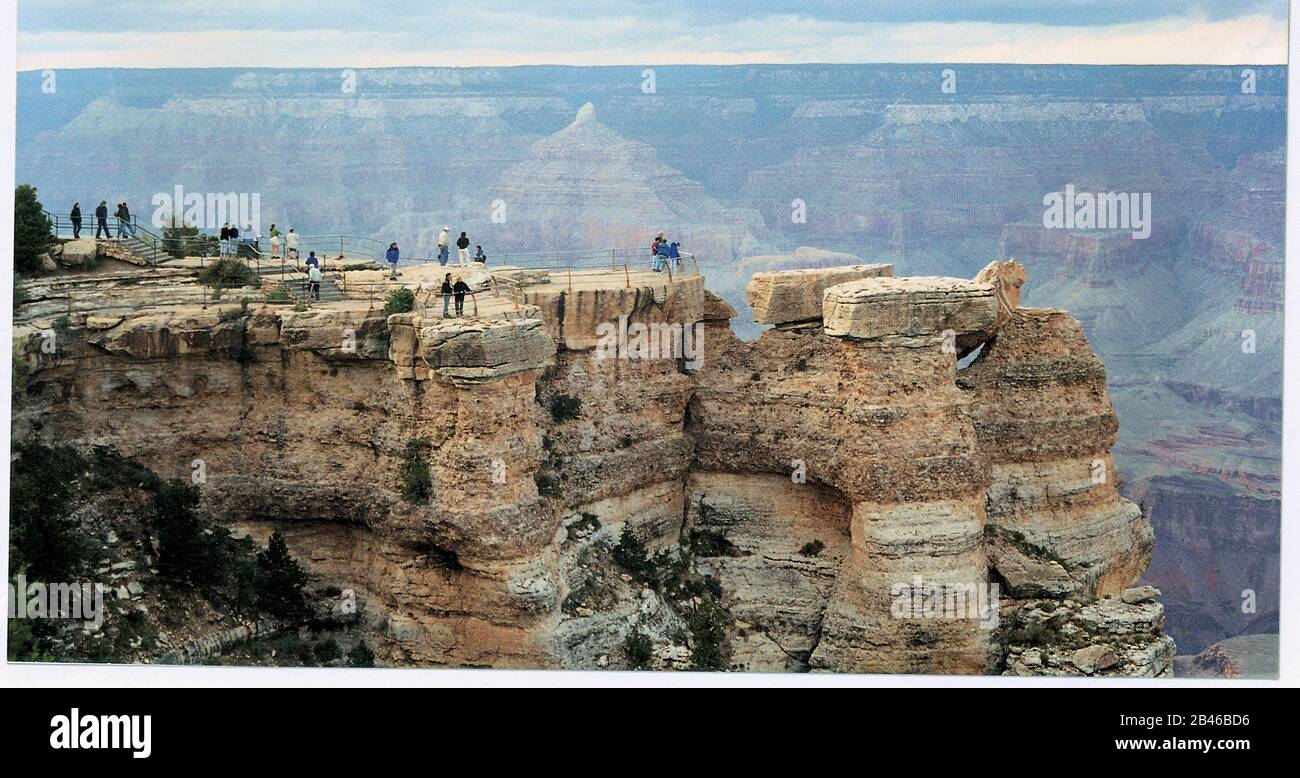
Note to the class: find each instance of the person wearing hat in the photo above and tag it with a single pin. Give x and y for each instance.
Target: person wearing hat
(442, 246)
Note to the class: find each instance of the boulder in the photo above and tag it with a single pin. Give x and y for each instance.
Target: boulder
(912, 307)
(1006, 278)
(785, 296)
(1093, 658)
(485, 350)
(79, 252)
(1025, 575)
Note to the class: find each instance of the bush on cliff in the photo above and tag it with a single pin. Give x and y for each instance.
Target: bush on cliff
(188, 552)
(417, 483)
(399, 301)
(564, 407)
(44, 541)
(227, 273)
(32, 230)
(280, 580)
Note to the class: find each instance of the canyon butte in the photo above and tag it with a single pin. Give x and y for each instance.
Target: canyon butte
(765, 511)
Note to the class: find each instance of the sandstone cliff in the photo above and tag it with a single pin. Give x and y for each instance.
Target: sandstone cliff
(691, 501)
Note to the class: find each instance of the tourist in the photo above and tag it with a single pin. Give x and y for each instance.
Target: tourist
(392, 255)
(674, 255)
(224, 239)
(101, 219)
(126, 220)
(312, 261)
(442, 247)
(462, 249)
(121, 220)
(479, 256)
(446, 293)
(663, 255)
(249, 240)
(76, 220)
(314, 277)
(654, 253)
(275, 242)
(460, 288)
(291, 244)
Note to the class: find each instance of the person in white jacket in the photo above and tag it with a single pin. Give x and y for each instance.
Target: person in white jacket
(442, 246)
(291, 244)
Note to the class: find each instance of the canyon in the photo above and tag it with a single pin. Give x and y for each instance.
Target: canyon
(766, 167)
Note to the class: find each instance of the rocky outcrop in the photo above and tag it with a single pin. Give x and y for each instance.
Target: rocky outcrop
(782, 297)
(799, 498)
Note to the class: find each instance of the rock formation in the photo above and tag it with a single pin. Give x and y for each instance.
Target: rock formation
(835, 496)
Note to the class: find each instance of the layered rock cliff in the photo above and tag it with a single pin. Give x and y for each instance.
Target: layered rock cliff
(610, 478)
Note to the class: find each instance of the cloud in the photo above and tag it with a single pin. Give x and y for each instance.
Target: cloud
(498, 34)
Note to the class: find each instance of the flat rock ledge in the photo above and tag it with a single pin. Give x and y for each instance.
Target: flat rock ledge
(875, 308)
(786, 296)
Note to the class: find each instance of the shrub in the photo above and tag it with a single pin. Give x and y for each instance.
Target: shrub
(564, 407)
(707, 543)
(630, 554)
(278, 295)
(708, 622)
(187, 550)
(637, 649)
(417, 483)
(327, 651)
(32, 235)
(547, 484)
(43, 539)
(361, 656)
(280, 580)
(812, 549)
(227, 273)
(183, 240)
(399, 301)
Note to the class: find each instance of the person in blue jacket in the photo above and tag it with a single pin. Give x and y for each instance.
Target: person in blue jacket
(392, 255)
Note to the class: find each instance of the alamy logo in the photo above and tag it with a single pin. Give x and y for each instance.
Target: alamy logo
(1071, 210)
(208, 210)
(77, 601)
(945, 600)
(662, 340)
(77, 731)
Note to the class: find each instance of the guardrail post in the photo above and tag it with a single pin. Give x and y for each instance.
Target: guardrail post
(627, 277)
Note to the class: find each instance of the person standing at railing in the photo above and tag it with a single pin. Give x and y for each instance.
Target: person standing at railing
(249, 242)
(291, 244)
(101, 219)
(447, 290)
(275, 242)
(392, 255)
(462, 249)
(442, 247)
(121, 220)
(460, 288)
(674, 255)
(126, 220)
(479, 256)
(76, 220)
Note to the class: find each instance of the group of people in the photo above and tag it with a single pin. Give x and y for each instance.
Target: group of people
(663, 253)
(452, 288)
(462, 248)
(125, 228)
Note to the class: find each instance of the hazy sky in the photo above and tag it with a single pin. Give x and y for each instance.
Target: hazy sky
(331, 33)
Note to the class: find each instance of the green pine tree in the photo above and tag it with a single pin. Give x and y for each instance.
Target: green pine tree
(32, 230)
(280, 580)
